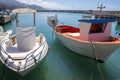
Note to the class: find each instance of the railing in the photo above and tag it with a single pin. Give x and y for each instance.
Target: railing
(34, 57)
(27, 58)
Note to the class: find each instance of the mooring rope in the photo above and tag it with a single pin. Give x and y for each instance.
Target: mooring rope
(92, 74)
(98, 66)
(113, 66)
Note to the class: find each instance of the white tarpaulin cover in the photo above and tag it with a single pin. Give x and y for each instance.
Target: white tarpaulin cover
(25, 38)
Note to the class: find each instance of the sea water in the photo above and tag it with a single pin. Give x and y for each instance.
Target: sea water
(60, 63)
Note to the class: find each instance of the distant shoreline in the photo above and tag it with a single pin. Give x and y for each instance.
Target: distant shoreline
(76, 11)
(113, 14)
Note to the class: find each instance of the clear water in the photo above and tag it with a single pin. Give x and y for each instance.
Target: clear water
(60, 63)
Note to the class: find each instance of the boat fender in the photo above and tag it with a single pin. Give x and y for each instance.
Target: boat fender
(13, 40)
(1, 29)
(41, 37)
(19, 64)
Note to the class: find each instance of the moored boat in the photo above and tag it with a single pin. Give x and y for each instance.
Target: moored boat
(93, 39)
(6, 16)
(22, 52)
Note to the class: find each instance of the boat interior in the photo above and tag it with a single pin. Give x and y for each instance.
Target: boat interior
(74, 32)
(69, 31)
(20, 58)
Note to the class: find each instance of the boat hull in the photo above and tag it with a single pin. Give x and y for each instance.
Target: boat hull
(5, 19)
(27, 70)
(96, 50)
(29, 62)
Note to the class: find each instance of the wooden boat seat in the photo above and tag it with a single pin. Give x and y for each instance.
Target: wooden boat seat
(74, 34)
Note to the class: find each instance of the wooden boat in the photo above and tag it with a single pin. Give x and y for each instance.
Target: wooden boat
(21, 53)
(93, 39)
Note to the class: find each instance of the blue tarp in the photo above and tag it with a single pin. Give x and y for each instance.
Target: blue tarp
(95, 21)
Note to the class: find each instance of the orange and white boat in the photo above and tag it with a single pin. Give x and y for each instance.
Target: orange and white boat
(93, 39)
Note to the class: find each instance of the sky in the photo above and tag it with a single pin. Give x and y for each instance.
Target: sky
(74, 4)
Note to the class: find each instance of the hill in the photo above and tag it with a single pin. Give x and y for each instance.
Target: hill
(13, 4)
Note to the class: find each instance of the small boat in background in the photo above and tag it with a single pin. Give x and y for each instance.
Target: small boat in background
(21, 53)
(87, 16)
(93, 39)
(6, 16)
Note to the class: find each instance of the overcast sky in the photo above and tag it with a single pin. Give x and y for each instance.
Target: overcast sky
(74, 4)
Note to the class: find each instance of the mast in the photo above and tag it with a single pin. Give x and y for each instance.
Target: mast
(101, 7)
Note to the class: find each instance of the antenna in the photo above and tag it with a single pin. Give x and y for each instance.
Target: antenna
(100, 6)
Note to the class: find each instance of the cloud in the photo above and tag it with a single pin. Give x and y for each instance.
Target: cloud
(44, 4)
(112, 7)
(51, 5)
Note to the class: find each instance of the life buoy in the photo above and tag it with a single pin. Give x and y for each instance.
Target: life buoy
(52, 21)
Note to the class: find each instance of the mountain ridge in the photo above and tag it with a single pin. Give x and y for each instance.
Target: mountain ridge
(13, 4)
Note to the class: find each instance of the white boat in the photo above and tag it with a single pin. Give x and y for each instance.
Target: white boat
(21, 53)
(6, 16)
(93, 39)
